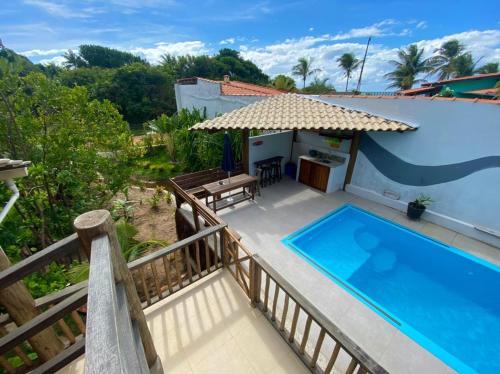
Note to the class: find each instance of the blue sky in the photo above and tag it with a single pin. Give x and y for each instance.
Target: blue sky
(273, 34)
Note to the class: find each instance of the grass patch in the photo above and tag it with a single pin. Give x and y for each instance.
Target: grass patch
(155, 166)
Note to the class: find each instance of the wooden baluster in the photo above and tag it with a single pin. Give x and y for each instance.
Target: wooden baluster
(216, 251)
(317, 349)
(294, 323)
(285, 311)
(145, 288)
(178, 269)
(352, 366)
(18, 350)
(362, 370)
(306, 334)
(188, 263)
(6, 365)
(20, 305)
(166, 266)
(333, 358)
(207, 254)
(266, 293)
(156, 280)
(275, 301)
(78, 321)
(90, 226)
(255, 287)
(197, 254)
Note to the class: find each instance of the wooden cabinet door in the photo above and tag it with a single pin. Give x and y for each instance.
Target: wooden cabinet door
(305, 172)
(319, 177)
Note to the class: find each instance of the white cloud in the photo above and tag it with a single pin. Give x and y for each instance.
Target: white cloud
(311, 28)
(62, 10)
(421, 25)
(58, 60)
(227, 41)
(155, 53)
(279, 58)
(42, 52)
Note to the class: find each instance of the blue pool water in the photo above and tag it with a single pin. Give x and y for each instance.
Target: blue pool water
(443, 298)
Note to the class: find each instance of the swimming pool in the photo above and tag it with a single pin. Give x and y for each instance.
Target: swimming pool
(443, 298)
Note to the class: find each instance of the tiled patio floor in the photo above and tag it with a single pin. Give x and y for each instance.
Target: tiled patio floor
(210, 327)
(287, 206)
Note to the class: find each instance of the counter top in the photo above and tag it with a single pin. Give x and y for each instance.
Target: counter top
(332, 164)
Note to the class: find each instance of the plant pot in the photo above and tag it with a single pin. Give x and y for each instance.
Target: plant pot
(414, 211)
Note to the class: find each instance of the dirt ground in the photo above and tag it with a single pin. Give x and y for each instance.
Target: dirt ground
(152, 224)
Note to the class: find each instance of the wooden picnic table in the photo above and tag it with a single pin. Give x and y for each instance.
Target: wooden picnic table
(216, 189)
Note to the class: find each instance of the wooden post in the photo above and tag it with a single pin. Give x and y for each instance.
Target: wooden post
(196, 216)
(89, 226)
(20, 305)
(353, 152)
(245, 150)
(255, 281)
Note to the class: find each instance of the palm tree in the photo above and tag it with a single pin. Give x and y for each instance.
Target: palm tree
(443, 62)
(284, 83)
(348, 62)
(304, 69)
(489, 68)
(410, 65)
(464, 65)
(319, 86)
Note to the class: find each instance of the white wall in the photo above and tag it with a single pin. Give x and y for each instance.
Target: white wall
(448, 133)
(277, 144)
(307, 140)
(207, 95)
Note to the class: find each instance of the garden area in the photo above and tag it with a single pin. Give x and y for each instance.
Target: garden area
(84, 157)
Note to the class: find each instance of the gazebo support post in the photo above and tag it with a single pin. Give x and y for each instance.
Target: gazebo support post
(353, 153)
(245, 150)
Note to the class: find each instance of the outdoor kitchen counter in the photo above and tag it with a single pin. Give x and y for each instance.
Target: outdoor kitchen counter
(332, 164)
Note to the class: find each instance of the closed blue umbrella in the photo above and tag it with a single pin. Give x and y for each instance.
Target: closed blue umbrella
(227, 156)
(228, 159)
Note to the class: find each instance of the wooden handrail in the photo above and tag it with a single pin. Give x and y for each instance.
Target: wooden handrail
(314, 314)
(110, 335)
(37, 261)
(175, 247)
(42, 321)
(117, 295)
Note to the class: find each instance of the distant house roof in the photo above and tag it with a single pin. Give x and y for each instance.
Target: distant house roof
(484, 92)
(470, 77)
(434, 87)
(235, 88)
(292, 111)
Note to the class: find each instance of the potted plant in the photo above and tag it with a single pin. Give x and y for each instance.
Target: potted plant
(417, 207)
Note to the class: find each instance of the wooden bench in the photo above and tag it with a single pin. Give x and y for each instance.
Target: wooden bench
(193, 182)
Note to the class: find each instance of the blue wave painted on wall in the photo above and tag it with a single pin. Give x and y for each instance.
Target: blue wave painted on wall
(403, 172)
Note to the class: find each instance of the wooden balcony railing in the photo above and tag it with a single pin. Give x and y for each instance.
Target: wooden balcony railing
(277, 298)
(50, 326)
(118, 338)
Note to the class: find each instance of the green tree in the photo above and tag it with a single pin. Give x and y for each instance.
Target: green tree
(319, 86)
(408, 67)
(141, 93)
(464, 65)
(78, 147)
(489, 68)
(304, 69)
(443, 64)
(227, 61)
(284, 83)
(91, 55)
(348, 62)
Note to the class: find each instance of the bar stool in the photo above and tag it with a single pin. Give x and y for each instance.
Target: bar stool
(266, 174)
(258, 174)
(276, 170)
